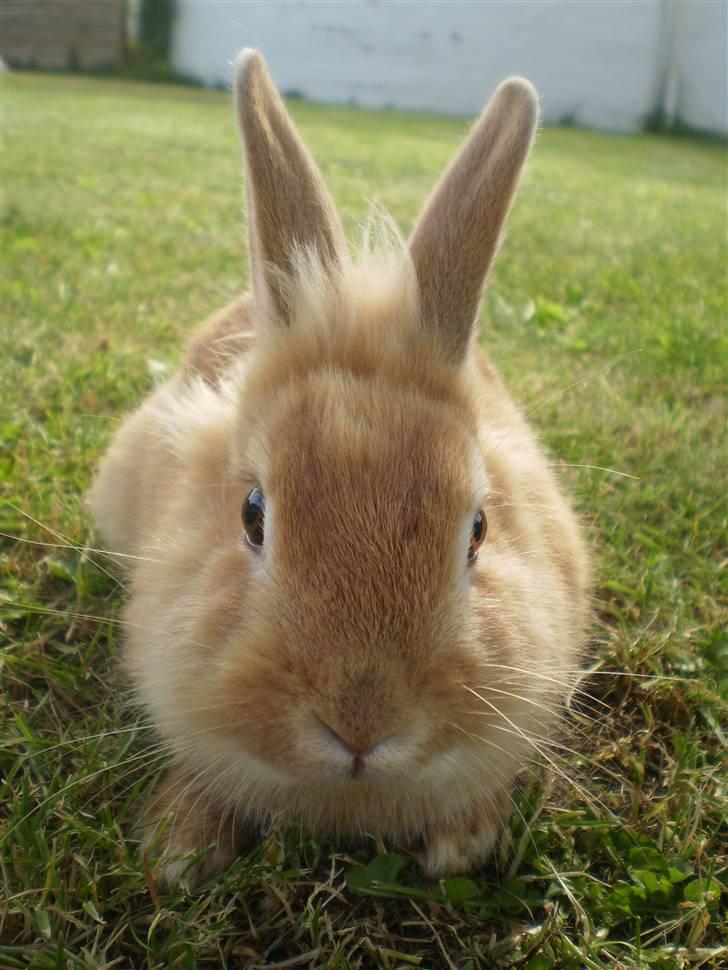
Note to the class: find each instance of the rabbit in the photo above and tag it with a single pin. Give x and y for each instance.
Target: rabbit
(357, 593)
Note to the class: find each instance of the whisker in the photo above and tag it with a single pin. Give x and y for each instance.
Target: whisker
(76, 616)
(182, 795)
(527, 767)
(542, 676)
(548, 690)
(528, 834)
(82, 549)
(489, 741)
(528, 700)
(59, 535)
(138, 727)
(117, 621)
(561, 746)
(553, 397)
(519, 733)
(71, 784)
(598, 468)
(102, 417)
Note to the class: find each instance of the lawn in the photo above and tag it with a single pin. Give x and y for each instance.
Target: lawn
(121, 229)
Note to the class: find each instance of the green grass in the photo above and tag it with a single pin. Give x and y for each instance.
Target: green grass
(121, 230)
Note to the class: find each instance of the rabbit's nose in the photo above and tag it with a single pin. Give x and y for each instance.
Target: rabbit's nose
(358, 756)
(350, 746)
(359, 749)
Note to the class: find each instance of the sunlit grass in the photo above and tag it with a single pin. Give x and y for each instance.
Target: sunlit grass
(121, 229)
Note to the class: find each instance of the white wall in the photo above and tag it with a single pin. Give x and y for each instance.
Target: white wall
(701, 32)
(595, 62)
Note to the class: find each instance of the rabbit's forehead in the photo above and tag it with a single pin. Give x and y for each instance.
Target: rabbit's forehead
(367, 495)
(373, 444)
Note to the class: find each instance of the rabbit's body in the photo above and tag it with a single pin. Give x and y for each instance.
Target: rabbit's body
(359, 669)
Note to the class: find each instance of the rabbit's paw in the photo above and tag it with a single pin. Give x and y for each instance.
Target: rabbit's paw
(190, 837)
(464, 843)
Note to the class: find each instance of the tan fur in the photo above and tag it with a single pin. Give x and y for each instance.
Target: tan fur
(351, 393)
(226, 336)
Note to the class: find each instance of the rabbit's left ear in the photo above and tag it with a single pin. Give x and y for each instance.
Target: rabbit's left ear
(289, 208)
(457, 235)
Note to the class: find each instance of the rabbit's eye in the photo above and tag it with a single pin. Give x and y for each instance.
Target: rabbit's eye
(253, 516)
(480, 528)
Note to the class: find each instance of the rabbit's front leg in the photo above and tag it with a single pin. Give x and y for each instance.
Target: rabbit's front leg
(466, 841)
(190, 833)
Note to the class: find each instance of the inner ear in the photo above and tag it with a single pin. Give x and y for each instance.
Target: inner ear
(289, 208)
(456, 237)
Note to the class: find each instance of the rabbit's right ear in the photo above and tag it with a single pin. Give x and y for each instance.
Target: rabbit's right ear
(289, 208)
